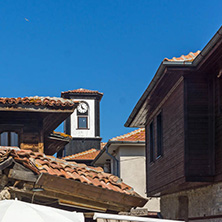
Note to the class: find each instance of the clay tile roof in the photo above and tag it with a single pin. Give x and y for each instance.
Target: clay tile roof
(62, 134)
(184, 58)
(102, 145)
(81, 90)
(86, 155)
(38, 101)
(41, 163)
(136, 135)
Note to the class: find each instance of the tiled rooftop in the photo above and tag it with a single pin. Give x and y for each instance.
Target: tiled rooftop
(48, 102)
(81, 90)
(62, 134)
(102, 145)
(41, 163)
(86, 155)
(136, 135)
(184, 58)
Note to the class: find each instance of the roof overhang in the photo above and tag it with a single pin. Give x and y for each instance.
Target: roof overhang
(79, 195)
(55, 142)
(197, 62)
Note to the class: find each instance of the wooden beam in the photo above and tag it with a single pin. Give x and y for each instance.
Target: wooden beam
(65, 199)
(89, 192)
(20, 172)
(21, 175)
(6, 163)
(41, 141)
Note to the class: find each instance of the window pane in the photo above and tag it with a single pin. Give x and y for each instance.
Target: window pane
(14, 139)
(82, 122)
(159, 135)
(4, 139)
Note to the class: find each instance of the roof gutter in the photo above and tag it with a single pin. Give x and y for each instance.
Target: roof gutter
(160, 73)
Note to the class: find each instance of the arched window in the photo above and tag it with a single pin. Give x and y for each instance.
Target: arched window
(9, 138)
(82, 115)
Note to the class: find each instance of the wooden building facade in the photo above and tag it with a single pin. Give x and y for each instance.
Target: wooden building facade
(182, 111)
(28, 123)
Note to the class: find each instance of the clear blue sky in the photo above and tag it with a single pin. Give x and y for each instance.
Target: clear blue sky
(115, 47)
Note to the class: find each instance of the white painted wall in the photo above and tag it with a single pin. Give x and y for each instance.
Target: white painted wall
(133, 172)
(75, 132)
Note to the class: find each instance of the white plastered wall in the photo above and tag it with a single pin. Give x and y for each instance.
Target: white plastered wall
(133, 172)
(75, 132)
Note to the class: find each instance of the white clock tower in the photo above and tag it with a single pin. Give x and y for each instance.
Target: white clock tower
(84, 123)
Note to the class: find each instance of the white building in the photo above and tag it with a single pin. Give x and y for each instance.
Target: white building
(84, 123)
(125, 157)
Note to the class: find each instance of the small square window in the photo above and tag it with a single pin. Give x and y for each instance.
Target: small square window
(82, 122)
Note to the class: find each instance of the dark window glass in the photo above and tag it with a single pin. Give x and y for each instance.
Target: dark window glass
(9, 139)
(151, 141)
(14, 139)
(82, 122)
(159, 135)
(4, 139)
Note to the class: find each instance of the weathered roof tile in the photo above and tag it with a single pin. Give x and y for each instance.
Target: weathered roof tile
(47, 102)
(184, 58)
(136, 135)
(82, 91)
(40, 163)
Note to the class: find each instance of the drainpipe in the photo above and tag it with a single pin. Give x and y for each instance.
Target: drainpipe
(115, 160)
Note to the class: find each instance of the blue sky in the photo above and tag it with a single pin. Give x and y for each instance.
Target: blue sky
(114, 47)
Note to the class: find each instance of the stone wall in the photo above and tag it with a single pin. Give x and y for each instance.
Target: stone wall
(202, 203)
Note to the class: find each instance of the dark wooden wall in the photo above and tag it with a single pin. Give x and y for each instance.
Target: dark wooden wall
(199, 127)
(168, 168)
(218, 128)
(29, 127)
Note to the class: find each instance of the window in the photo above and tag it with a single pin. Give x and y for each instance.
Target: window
(9, 139)
(151, 142)
(82, 122)
(159, 135)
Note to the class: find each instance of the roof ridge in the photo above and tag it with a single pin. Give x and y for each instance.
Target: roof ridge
(127, 134)
(82, 90)
(46, 101)
(187, 58)
(92, 150)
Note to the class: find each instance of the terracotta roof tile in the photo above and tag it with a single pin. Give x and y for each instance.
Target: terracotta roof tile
(81, 90)
(184, 58)
(86, 155)
(136, 135)
(38, 101)
(40, 163)
(102, 145)
(62, 134)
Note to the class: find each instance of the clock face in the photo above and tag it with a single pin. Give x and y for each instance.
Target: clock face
(82, 107)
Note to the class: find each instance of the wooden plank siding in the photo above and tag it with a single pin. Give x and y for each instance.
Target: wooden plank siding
(199, 142)
(169, 167)
(218, 129)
